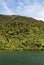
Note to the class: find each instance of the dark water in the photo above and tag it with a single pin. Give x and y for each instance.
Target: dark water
(22, 58)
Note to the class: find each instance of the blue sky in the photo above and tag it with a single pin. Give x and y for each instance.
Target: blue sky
(30, 8)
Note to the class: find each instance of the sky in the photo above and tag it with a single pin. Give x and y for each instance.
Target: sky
(29, 8)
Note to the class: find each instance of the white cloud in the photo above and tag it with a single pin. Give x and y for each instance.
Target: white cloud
(36, 10)
(41, 12)
(40, 18)
(6, 8)
(20, 3)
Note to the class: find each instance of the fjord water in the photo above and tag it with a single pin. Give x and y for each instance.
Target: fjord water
(22, 58)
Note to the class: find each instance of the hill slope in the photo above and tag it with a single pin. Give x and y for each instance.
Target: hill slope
(21, 33)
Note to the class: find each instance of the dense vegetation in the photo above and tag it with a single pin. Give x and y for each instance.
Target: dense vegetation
(21, 33)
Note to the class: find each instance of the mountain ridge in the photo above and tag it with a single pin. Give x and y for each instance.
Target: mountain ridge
(21, 33)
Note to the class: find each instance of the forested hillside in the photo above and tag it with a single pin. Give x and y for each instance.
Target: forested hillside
(21, 33)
